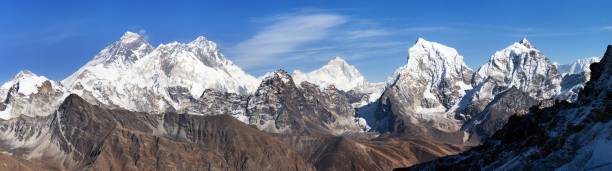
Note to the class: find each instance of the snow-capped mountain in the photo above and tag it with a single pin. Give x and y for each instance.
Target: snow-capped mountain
(130, 74)
(30, 95)
(437, 96)
(575, 75)
(434, 71)
(420, 96)
(336, 72)
(578, 66)
(519, 71)
(519, 65)
(343, 76)
(564, 136)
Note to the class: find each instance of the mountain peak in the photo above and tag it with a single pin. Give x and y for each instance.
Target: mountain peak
(424, 51)
(421, 40)
(200, 40)
(337, 60)
(525, 43)
(336, 72)
(523, 66)
(124, 52)
(131, 37)
(279, 74)
(578, 66)
(27, 81)
(24, 74)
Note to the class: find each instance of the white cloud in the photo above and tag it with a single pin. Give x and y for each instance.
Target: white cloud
(357, 34)
(312, 37)
(285, 34)
(608, 28)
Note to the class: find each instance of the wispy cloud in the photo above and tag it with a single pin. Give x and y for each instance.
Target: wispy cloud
(608, 28)
(311, 36)
(285, 34)
(357, 34)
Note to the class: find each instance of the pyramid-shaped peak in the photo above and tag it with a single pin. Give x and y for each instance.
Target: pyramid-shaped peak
(525, 43)
(425, 49)
(200, 39)
(337, 60)
(131, 37)
(426, 44)
(421, 40)
(25, 73)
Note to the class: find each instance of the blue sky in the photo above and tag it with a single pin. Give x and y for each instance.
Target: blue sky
(55, 38)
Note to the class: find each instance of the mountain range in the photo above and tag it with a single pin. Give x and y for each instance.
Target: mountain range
(185, 106)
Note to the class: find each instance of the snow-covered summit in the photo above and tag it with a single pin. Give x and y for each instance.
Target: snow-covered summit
(526, 43)
(518, 72)
(575, 75)
(124, 52)
(197, 65)
(25, 82)
(523, 66)
(578, 66)
(429, 85)
(131, 74)
(434, 61)
(131, 37)
(29, 94)
(336, 72)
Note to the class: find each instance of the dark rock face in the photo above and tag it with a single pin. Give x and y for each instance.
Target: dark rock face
(389, 118)
(279, 106)
(213, 102)
(496, 114)
(82, 136)
(570, 136)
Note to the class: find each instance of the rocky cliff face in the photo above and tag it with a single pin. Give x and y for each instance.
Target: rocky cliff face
(565, 136)
(496, 113)
(279, 106)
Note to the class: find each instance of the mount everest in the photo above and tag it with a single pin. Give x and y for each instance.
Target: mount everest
(130, 74)
(433, 106)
